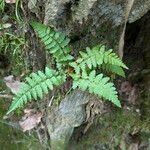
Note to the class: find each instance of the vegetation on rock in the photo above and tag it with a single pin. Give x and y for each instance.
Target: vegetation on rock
(83, 70)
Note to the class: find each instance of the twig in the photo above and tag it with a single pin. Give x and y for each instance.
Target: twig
(50, 102)
(127, 13)
(39, 136)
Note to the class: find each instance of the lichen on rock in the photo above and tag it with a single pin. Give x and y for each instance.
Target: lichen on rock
(140, 8)
(82, 10)
(54, 11)
(98, 11)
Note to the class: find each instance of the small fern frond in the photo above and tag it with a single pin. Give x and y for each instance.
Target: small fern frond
(55, 42)
(96, 84)
(35, 86)
(97, 56)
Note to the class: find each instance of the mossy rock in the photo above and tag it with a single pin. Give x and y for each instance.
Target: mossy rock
(111, 130)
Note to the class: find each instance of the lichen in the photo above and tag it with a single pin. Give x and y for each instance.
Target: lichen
(82, 10)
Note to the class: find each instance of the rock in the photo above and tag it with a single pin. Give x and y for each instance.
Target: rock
(88, 22)
(62, 121)
(57, 12)
(140, 8)
(54, 10)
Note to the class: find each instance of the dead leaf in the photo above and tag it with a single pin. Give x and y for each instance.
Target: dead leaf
(30, 121)
(10, 1)
(28, 112)
(14, 85)
(134, 95)
(126, 87)
(131, 93)
(93, 108)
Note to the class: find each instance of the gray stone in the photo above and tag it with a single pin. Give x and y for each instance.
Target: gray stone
(99, 11)
(62, 121)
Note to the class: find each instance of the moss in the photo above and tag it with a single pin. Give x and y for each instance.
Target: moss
(12, 45)
(110, 130)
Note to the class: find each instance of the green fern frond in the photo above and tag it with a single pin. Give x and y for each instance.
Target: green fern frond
(55, 42)
(97, 56)
(96, 84)
(35, 86)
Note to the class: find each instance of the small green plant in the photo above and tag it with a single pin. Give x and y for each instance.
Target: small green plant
(12, 46)
(83, 70)
(10, 41)
(2, 5)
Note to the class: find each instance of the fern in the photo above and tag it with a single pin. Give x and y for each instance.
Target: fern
(36, 85)
(98, 85)
(83, 70)
(55, 42)
(97, 56)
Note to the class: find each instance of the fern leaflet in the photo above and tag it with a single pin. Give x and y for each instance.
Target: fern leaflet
(36, 85)
(96, 84)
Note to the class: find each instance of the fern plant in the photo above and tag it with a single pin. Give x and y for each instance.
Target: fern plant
(84, 70)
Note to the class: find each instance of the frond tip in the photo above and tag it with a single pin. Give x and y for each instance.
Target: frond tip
(97, 56)
(97, 84)
(35, 86)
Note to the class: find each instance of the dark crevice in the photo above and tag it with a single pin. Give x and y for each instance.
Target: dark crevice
(75, 38)
(4, 61)
(132, 32)
(137, 58)
(76, 2)
(136, 44)
(67, 7)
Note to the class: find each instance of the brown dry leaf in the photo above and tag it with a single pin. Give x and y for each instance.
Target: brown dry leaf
(28, 112)
(131, 92)
(126, 87)
(134, 95)
(30, 120)
(94, 107)
(10, 1)
(14, 85)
